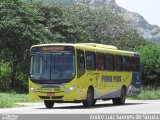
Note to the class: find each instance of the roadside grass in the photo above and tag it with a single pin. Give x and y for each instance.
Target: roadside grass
(148, 93)
(10, 99)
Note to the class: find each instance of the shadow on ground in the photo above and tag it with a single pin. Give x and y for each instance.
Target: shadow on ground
(94, 107)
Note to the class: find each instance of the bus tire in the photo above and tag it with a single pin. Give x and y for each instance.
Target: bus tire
(121, 99)
(94, 102)
(89, 102)
(48, 103)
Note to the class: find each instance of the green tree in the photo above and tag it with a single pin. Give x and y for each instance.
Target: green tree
(55, 19)
(150, 61)
(130, 39)
(62, 2)
(101, 25)
(19, 28)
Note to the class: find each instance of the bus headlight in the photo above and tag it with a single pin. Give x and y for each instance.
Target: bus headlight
(70, 89)
(33, 90)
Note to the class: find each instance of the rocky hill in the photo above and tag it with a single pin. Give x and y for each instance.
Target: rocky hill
(136, 21)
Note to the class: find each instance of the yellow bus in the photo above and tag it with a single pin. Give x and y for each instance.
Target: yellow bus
(83, 72)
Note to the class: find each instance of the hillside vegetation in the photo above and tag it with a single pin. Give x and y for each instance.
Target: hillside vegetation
(23, 24)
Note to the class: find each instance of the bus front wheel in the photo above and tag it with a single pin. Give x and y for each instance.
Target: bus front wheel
(121, 99)
(48, 103)
(89, 102)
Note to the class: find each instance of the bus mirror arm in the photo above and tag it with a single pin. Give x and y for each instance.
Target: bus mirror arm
(26, 54)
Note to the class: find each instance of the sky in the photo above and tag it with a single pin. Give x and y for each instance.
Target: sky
(149, 9)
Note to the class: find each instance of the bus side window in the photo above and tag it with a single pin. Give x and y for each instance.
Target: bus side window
(90, 60)
(110, 62)
(135, 64)
(118, 63)
(80, 63)
(100, 61)
(126, 63)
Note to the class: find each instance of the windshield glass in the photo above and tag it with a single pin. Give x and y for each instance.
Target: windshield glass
(53, 66)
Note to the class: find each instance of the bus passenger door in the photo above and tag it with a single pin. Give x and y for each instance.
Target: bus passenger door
(80, 75)
(92, 76)
(100, 70)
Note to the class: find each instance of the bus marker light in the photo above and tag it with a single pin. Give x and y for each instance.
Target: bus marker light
(70, 89)
(32, 89)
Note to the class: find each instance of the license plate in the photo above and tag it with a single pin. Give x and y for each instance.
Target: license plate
(50, 94)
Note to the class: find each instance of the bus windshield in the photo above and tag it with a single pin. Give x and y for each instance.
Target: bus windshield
(52, 67)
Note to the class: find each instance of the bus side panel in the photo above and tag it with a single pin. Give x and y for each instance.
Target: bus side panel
(133, 86)
(119, 79)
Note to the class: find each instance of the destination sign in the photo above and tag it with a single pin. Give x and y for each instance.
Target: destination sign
(53, 48)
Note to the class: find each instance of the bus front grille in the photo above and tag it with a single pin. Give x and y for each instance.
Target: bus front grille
(53, 97)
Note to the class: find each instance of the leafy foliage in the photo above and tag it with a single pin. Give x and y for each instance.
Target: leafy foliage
(54, 18)
(103, 26)
(130, 39)
(23, 24)
(61, 2)
(150, 61)
(19, 28)
(5, 74)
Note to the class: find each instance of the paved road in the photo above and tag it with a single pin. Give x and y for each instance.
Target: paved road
(102, 107)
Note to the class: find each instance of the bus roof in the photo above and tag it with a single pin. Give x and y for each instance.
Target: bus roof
(92, 47)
